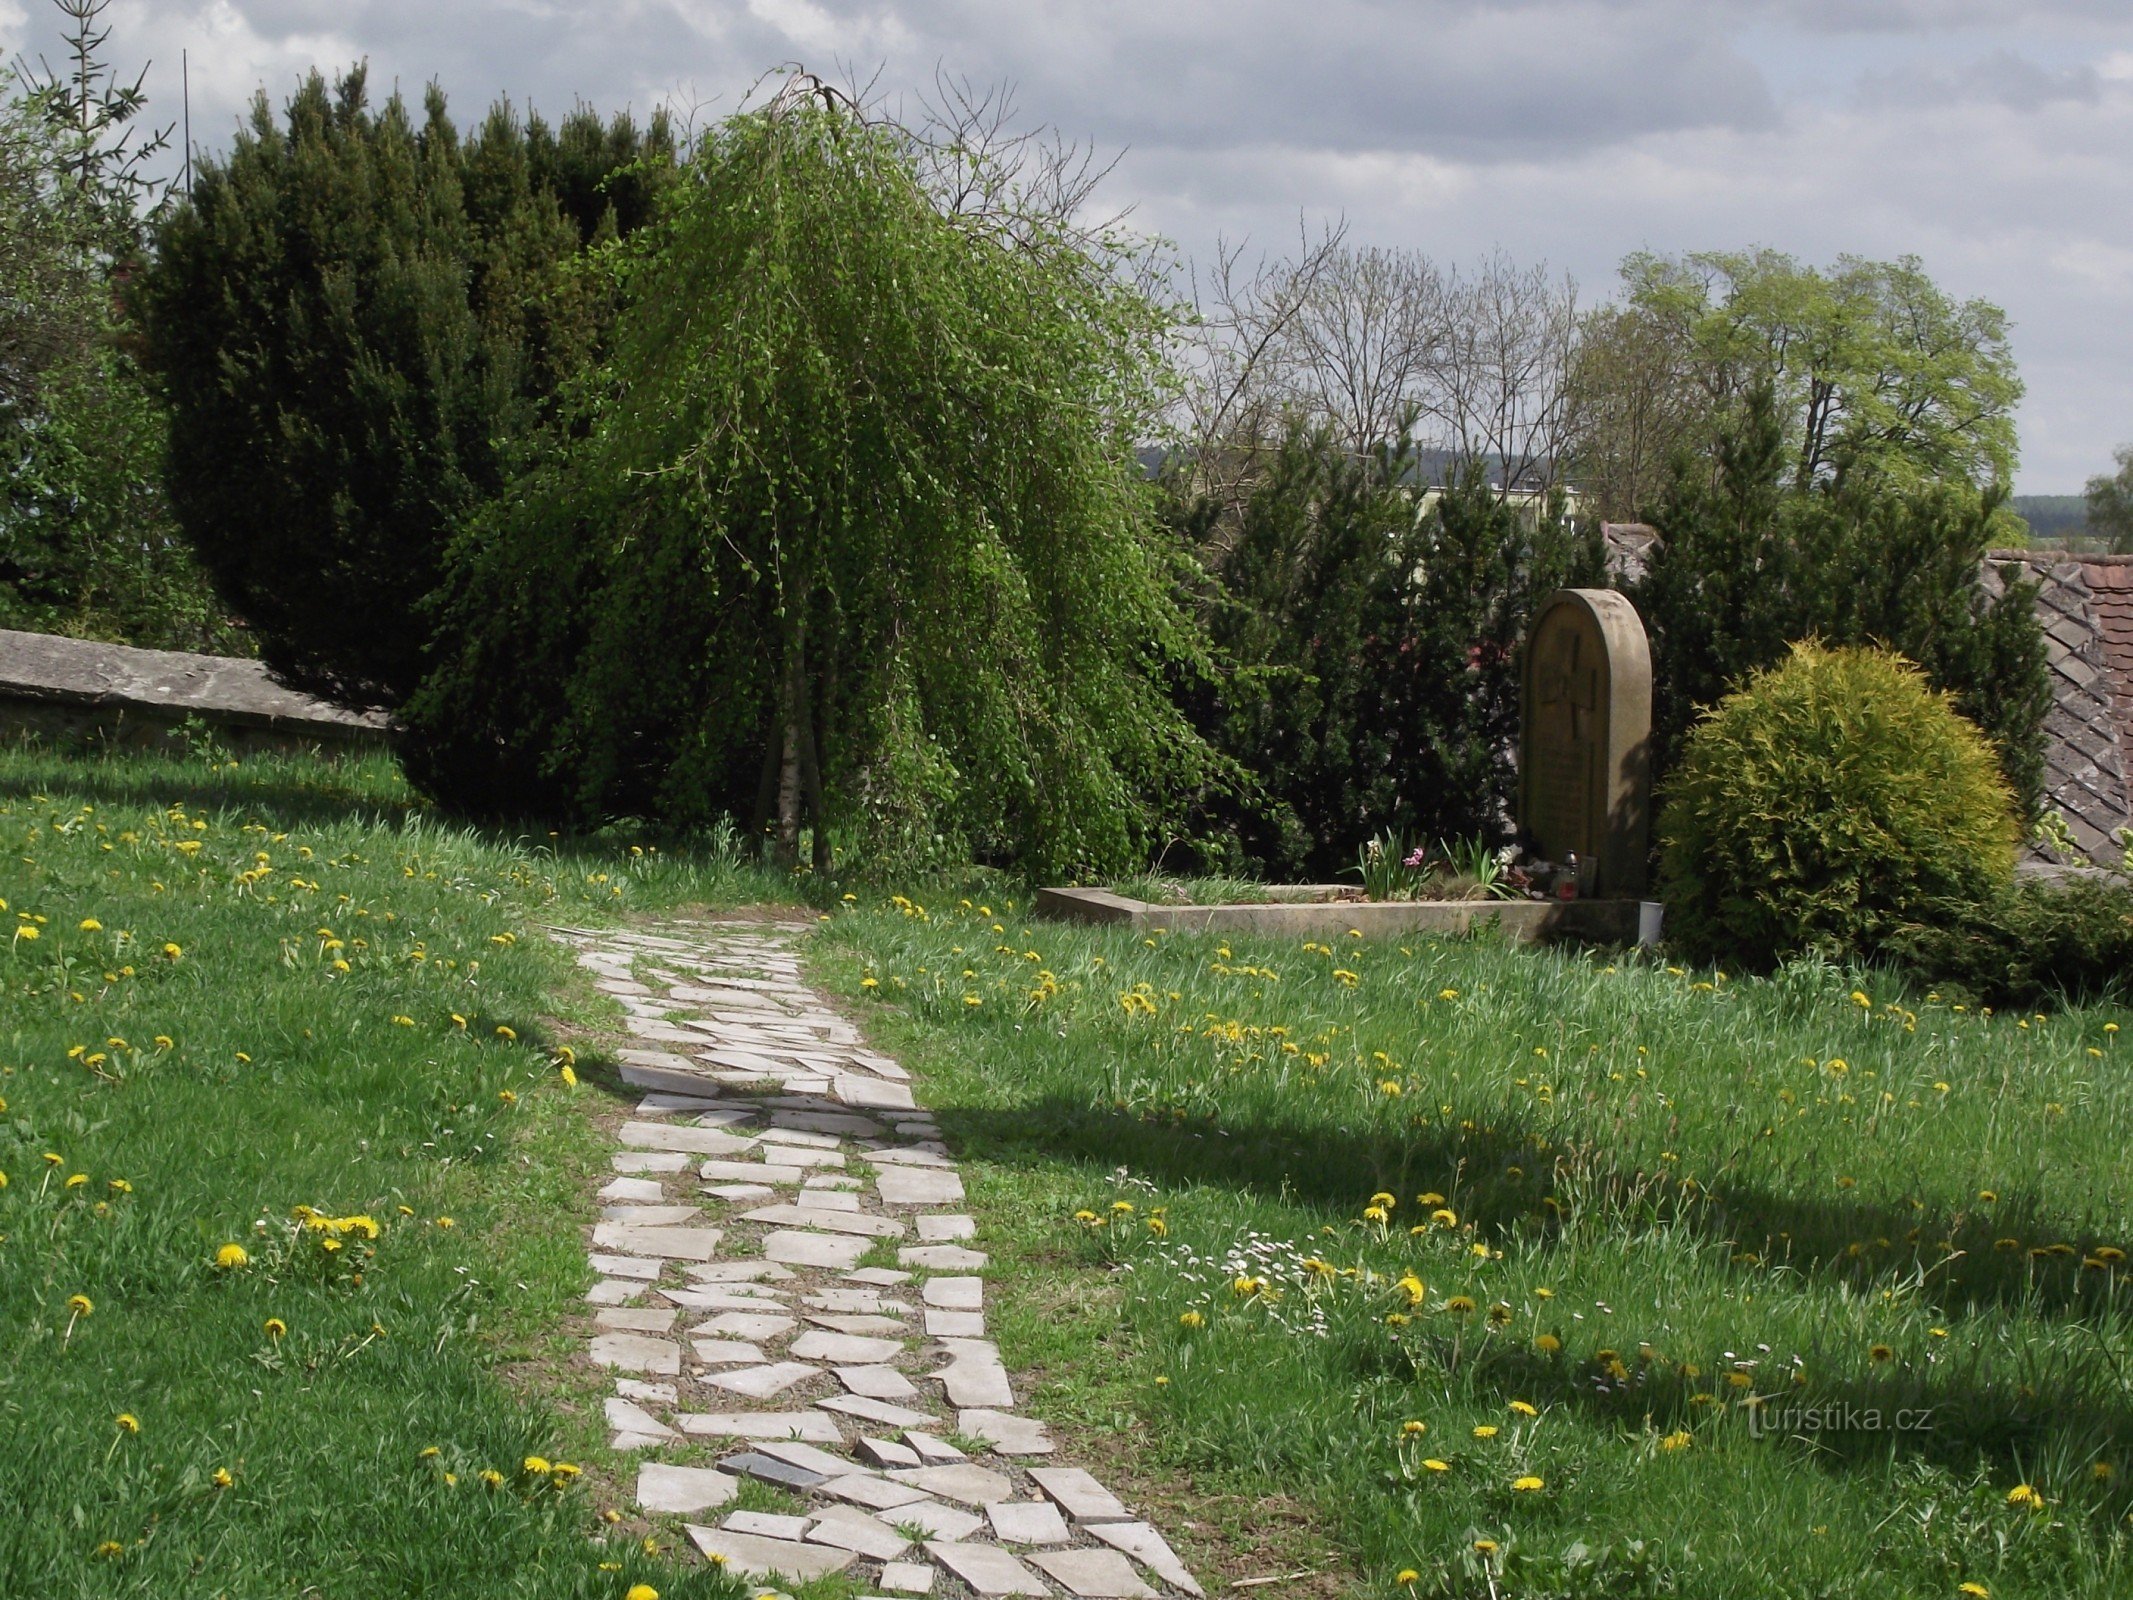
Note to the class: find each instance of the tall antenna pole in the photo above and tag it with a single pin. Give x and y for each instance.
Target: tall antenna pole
(185, 79)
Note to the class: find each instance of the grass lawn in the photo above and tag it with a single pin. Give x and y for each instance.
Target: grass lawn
(1542, 1273)
(228, 993)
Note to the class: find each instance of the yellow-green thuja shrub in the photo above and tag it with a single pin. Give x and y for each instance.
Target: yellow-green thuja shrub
(1827, 801)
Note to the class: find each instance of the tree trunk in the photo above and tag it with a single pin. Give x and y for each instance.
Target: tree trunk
(792, 722)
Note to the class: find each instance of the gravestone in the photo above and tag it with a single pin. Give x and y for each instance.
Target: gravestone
(1584, 757)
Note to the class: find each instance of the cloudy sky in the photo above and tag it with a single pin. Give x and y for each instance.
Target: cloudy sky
(1992, 139)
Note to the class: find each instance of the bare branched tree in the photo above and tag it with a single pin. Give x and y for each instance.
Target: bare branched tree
(1235, 352)
(1498, 392)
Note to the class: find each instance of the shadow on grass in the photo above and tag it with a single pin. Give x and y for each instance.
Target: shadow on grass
(1957, 1414)
(1498, 1183)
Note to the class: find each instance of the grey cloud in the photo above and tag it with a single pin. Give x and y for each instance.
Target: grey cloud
(2002, 78)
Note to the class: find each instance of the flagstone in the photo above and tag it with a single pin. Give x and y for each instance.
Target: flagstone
(811, 1426)
(694, 1141)
(641, 1389)
(757, 1557)
(855, 1302)
(644, 1319)
(863, 1488)
(1027, 1522)
(814, 1249)
(769, 1524)
(648, 1161)
(945, 1229)
(727, 1352)
(802, 1454)
(870, 1093)
(862, 1324)
(869, 1409)
(797, 1138)
(683, 1491)
(614, 1291)
(907, 1577)
(739, 1272)
(955, 1294)
(824, 1122)
(814, 1199)
(679, 1244)
(937, 1521)
(649, 1216)
(913, 1158)
(633, 1352)
(630, 1417)
(751, 1172)
(849, 1528)
(987, 1568)
(742, 1193)
(919, 1186)
(878, 1277)
(942, 1257)
(877, 1382)
(1079, 1495)
(768, 1469)
(1094, 1574)
(886, 1453)
(1007, 1433)
(932, 1452)
(850, 1349)
(745, 1325)
(975, 1376)
(966, 1481)
(722, 1297)
(634, 1190)
(760, 1383)
(1140, 1541)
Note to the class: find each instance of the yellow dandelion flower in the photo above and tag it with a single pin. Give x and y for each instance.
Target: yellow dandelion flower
(537, 1466)
(1459, 1305)
(110, 1548)
(1525, 1408)
(506, 1033)
(222, 1478)
(1547, 1344)
(276, 1328)
(1528, 1484)
(80, 1305)
(641, 1591)
(1193, 1319)
(2026, 1497)
(491, 1478)
(1977, 1591)
(91, 925)
(1434, 1465)
(1407, 1575)
(232, 1256)
(1487, 1430)
(127, 1422)
(1484, 1547)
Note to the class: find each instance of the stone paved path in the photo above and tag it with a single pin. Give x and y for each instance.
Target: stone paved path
(772, 1156)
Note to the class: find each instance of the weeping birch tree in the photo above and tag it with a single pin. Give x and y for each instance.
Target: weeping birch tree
(855, 543)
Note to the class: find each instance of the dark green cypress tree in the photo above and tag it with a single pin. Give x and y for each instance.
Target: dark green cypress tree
(1747, 566)
(359, 323)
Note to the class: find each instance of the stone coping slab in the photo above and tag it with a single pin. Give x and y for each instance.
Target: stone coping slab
(1522, 921)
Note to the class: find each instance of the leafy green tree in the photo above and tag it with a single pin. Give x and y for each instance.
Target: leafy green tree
(1749, 564)
(1372, 642)
(2110, 503)
(857, 539)
(1871, 367)
(360, 322)
(87, 543)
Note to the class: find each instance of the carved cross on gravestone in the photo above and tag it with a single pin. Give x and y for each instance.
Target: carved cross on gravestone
(1584, 782)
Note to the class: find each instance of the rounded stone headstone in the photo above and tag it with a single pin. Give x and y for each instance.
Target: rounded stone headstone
(1584, 758)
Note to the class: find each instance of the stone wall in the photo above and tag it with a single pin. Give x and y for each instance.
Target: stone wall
(75, 689)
